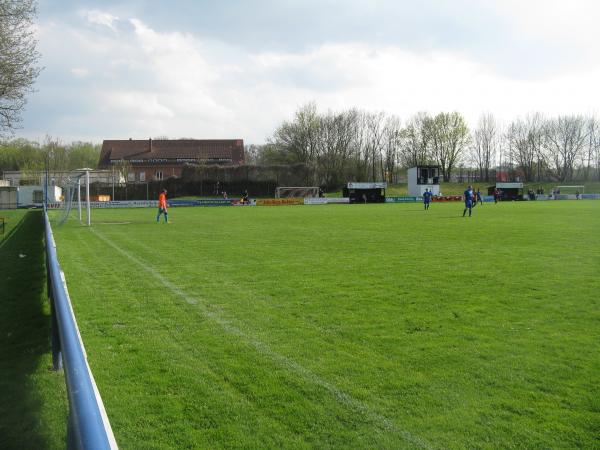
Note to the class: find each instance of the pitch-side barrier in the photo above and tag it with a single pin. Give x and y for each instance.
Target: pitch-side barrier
(88, 426)
(542, 197)
(296, 201)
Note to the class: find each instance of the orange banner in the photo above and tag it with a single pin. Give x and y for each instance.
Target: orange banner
(279, 201)
(447, 198)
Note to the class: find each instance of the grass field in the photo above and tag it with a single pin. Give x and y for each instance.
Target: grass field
(33, 402)
(361, 326)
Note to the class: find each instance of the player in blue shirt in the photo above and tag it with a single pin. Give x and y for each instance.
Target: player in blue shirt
(468, 200)
(478, 198)
(427, 198)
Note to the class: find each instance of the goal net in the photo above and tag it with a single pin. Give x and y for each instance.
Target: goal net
(569, 189)
(73, 201)
(297, 192)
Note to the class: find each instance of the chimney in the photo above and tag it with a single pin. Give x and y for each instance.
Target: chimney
(150, 142)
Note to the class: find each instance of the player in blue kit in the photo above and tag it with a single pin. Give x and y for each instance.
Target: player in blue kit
(427, 198)
(468, 200)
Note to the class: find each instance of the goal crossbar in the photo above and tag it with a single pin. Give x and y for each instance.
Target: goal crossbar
(572, 187)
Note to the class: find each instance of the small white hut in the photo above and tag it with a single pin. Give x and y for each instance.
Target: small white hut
(423, 177)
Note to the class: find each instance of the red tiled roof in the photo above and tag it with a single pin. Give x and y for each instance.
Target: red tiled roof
(199, 149)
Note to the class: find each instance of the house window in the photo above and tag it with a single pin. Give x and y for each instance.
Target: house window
(158, 175)
(142, 176)
(131, 177)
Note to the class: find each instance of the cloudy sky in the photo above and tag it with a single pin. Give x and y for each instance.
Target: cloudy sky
(237, 69)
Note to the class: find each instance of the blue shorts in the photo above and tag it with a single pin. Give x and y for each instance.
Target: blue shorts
(468, 203)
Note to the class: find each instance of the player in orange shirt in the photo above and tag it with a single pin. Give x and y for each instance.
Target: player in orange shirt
(162, 206)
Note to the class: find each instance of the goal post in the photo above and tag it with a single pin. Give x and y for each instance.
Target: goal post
(297, 191)
(570, 189)
(71, 193)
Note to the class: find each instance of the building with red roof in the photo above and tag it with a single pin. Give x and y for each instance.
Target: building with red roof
(157, 159)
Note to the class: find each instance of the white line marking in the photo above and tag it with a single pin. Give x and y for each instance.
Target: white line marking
(342, 397)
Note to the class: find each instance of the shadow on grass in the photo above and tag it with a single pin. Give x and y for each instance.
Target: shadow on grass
(25, 380)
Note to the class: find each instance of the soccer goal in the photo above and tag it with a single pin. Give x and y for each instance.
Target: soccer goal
(72, 196)
(297, 192)
(570, 189)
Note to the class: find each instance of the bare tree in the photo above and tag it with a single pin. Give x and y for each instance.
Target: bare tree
(448, 138)
(335, 137)
(375, 127)
(566, 137)
(485, 145)
(391, 147)
(524, 145)
(590, 157)
(18, 59)
(596, 147)
(124, 169)
(359, 150)
(415, 141)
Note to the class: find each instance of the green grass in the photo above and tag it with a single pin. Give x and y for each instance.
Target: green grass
(361, 326)
(33, 402)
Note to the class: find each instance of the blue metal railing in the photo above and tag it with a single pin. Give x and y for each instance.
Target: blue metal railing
(88, 426)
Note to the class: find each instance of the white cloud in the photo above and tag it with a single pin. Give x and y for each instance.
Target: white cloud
(97, 17)
(80, 72)
(136, 81)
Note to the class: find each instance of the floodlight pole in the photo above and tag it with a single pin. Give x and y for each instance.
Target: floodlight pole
(87, 196)
(79, 198)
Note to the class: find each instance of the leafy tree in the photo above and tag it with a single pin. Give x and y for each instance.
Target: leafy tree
(18, 59)
(448, 137)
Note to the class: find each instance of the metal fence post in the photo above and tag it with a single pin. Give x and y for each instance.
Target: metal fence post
(56, 354)
(56, 350)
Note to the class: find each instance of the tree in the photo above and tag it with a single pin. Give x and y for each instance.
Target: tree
(375, 128)
(566, 137)
(18, 59)
(593, 148)
(335, 136)
(448, 137)
(297, 140)
(414, 147)
(524, 142)
(123, 168)
(83, 154)
(392, 139)
(485, 144)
